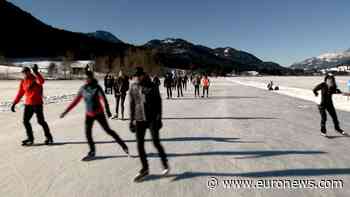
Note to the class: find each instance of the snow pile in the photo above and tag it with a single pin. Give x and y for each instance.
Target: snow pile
(340, 102)
(56, 99)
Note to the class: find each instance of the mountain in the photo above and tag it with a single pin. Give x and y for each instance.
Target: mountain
(24, 36)
(327, 60)
(104, 35)
(241, 56)
(179, 53)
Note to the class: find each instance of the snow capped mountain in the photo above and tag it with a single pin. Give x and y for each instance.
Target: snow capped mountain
(326, 60)
(241, 56)
(180, 52)
(104, 35)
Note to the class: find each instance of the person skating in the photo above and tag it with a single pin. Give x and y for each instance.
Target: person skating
(146, 113)
(179, 87)
(121, 86)
(168, 82)
(93, 95)
(32, 88)
(205, 85)
(328, 88)
(184, 81)
(196, 83)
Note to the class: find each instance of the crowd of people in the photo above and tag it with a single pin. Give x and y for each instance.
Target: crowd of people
(178, 83)
(145, 104)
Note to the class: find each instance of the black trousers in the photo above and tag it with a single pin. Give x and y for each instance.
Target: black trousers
(120, 99)
(141, 128)
(29, 111)
(101, 118)
(331, 110)
(169, 92)
(179, 91)
(206, 90)
(196, 90)
(185, 86)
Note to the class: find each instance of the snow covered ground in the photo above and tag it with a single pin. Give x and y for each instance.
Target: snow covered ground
(298, 87)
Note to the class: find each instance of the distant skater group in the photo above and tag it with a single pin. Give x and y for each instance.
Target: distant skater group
(179, 83)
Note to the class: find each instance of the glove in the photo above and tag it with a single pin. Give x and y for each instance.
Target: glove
(35, 69)
(63, 114)
(13, 108)
(132, 127)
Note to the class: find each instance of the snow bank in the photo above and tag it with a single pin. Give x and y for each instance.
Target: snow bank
(340, 102)
(56, 99)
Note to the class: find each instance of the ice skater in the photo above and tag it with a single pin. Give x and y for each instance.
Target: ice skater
(146, 113)
(121, 87)
(168, 83)
(205, 85)
(179, 86)
(196, 83)
(184, 82)
(93, 94)
(32, 88)
(328, 88)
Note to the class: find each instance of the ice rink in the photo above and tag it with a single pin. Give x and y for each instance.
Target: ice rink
(239, 133)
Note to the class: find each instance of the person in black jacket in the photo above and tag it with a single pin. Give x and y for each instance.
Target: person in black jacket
(168, 83)
(184, 82)
(179, 86)
(120, 86)
(146, 113)
(328, 88)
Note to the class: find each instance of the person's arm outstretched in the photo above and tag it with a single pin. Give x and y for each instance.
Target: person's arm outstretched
(74, 103)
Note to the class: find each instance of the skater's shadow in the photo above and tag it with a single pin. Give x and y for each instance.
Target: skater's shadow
(219, 118)
(216, 118)
(177, 139)
(256, 174)
(337, 136)
(43, 144)
(96, 158)
(243, 154)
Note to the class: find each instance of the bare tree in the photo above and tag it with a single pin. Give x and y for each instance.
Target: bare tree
(67, 62)
(52, 69)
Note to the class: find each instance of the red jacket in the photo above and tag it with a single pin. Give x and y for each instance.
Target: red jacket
(32, 88)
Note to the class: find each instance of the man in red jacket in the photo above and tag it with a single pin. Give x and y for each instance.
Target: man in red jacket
(32, 88)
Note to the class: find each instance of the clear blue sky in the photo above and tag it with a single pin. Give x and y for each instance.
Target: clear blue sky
(284, 31)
